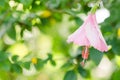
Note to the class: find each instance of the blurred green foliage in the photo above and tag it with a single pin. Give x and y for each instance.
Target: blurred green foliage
(33, 35)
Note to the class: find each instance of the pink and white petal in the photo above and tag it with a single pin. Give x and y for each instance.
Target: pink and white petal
(102, 40)
(79, 37)
(89, 34)
(93, 36)
(103, 46)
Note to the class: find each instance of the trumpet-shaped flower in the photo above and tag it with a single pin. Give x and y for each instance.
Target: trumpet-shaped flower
(89, 34)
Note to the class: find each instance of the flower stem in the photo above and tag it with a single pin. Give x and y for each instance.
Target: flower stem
(93, 10)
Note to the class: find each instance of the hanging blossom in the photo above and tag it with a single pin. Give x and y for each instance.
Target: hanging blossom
(88, 35)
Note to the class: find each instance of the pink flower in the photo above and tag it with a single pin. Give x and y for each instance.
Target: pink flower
(89, 34)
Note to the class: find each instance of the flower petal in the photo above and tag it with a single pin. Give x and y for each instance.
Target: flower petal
(94, 35)
(89, 34)
(79, 37)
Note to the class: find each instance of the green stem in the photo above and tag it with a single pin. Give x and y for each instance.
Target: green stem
(93, 10)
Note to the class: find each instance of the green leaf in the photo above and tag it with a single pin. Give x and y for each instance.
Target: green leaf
(57, 16)
(4, 61)
(116, 46)
(3, 55)
(70, 75)
(22, 32)
(110, 55)
(12, 33)
(2, 3)
(67, 65)
(5, 65)
(26, 65)
(78, 21)
(116, 75)
(53, 62)
(15, 58)
(95, 56)
(50, 56)
(16, 68)
(83, 72)
(40, 64)
(53, 3)
(68, 11)
(26, 3)
(28, 25)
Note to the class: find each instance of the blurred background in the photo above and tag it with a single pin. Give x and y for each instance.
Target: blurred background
(33, 36)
